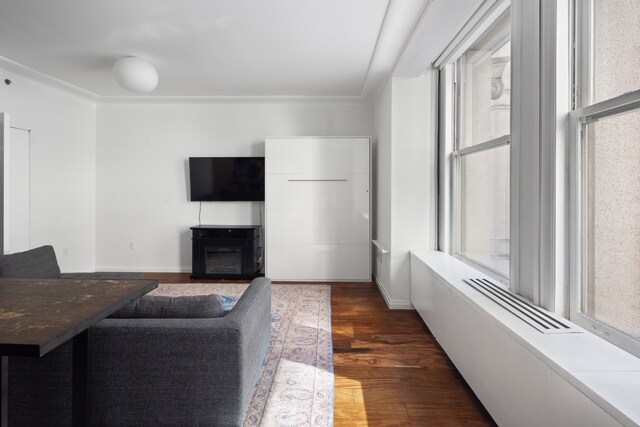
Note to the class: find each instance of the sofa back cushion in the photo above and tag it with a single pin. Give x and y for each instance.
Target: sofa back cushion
(40, 263)
(165, 307)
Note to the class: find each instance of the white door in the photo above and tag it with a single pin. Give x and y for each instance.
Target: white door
(16, 184)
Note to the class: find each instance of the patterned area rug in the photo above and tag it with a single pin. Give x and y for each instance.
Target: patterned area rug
(296, 386)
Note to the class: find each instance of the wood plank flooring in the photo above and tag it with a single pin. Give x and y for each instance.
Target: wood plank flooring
(389, 369)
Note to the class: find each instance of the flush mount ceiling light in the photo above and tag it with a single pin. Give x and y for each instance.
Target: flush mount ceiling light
(135, 74)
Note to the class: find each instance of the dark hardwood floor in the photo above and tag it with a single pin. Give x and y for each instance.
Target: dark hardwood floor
(389, 369)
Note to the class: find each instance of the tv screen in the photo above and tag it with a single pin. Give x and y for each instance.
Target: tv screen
(226, 179)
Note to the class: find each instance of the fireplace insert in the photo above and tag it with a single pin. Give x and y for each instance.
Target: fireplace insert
(226, 251)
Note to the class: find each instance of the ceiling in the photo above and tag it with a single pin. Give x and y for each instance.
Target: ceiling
(213, 48)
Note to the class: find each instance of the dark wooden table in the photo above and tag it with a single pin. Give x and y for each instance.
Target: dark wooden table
(37, 315)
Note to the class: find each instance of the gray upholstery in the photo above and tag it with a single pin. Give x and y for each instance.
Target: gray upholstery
(165, 307)
(154, 372)
(145, 372)
(41, 263)
(38, 263)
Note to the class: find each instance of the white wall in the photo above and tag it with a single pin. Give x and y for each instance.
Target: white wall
(62, 167)
(405, 126)
(382, 187)
(16, 190)
(437, 27)
(413, 175)
(142, 174)
(405, 134)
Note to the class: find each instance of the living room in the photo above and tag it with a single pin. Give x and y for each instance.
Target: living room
(108, 175)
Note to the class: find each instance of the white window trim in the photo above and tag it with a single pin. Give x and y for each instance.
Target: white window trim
(483, 146)
(450, 156)
(540, 103)
(555, 106)
(578, 119)
(584, 22)
(445, 146)
(482, 19)
(584, 113)
(456, 160)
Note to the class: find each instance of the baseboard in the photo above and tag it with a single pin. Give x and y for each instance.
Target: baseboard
(145, 269)
(391, 303)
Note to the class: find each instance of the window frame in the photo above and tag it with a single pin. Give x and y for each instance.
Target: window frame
(457, 156)
(582, 114)
(579, 118)
(451, 155)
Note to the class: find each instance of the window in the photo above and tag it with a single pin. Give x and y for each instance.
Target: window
(478, 148)
(605, 169)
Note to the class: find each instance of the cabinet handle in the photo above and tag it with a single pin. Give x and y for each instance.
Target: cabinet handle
(305, 180)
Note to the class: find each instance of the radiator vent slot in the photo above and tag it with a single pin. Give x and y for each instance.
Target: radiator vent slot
(522, 309)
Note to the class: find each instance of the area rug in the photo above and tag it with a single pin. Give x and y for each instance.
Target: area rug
(296, 386)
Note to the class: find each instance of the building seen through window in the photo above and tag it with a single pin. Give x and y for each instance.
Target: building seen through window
(609, 163)
(483, 82)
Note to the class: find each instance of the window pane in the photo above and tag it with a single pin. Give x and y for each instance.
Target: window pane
(486, 85)
(611, 290)
(484, 208)
(616, 50)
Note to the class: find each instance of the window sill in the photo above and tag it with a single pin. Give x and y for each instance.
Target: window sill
(606, 374)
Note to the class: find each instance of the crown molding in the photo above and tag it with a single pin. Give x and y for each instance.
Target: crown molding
(398, 28)
(24, 71)
(298, 100)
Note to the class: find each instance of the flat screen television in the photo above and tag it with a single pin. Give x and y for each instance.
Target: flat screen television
(226, 179)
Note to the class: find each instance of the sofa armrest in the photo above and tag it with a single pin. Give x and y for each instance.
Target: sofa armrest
(181, 371)
(38, 263)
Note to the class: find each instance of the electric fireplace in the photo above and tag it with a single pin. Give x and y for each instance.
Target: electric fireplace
(226, 251)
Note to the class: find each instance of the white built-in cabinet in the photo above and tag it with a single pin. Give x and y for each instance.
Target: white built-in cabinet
(317, 209)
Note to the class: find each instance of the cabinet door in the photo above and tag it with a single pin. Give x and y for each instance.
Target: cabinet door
(317, 155)
(318, 262)
(317, 209)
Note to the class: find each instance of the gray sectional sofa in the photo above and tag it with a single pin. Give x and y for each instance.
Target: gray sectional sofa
(152, 371)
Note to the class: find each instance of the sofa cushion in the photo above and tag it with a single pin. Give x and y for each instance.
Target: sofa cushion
(40, 263)
(182, 307)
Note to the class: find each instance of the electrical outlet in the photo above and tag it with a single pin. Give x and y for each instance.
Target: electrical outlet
(132, 245)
